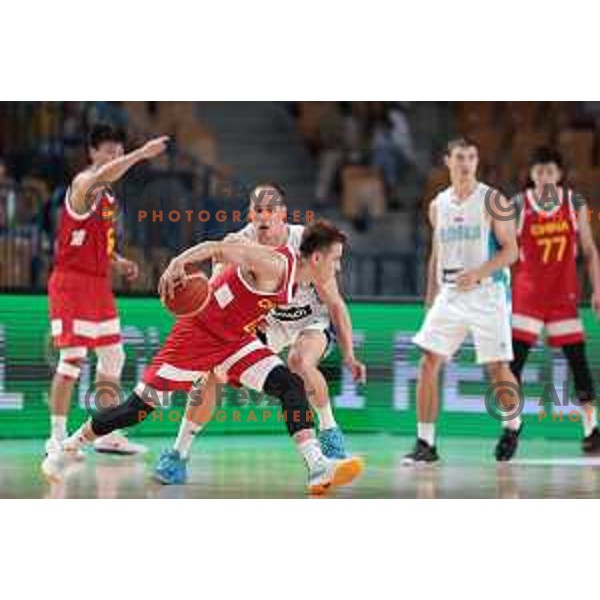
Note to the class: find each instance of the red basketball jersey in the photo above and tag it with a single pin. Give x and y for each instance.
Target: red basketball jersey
(86, 243)
(546, 274)
(235, 308)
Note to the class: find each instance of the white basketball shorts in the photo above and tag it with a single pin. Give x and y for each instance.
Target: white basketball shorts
(483, 312)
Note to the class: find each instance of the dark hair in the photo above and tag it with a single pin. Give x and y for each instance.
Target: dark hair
(102, 132)
(544, 155)
(320, 235)
(279, 198)
(460, 142)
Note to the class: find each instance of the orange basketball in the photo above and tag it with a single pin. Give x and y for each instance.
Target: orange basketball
(189, 297)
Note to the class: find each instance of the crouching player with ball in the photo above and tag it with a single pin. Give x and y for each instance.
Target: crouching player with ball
(222, 337)
(304, 326)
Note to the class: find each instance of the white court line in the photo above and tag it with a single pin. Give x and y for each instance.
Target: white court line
(591, 461)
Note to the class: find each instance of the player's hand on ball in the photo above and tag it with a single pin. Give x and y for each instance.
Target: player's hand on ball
(358, 369)
(155, 147)
(467, 280)
(174, 275)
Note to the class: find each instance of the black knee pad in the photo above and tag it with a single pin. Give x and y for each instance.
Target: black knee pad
(289, 388)
(520, 352)
(584, 384)
(131, 412)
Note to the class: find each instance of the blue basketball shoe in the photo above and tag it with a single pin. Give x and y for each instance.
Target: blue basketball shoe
(170, 469)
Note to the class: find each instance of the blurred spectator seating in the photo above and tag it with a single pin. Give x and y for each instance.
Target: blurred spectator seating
(177, 119)
(33, 193)
(475, 117)
(490, 144)
(577, 147)
(524, 116)
(586, 180)
(437, 180)
(15, 262)
(310, 118)
(363, 192)
(523, 144)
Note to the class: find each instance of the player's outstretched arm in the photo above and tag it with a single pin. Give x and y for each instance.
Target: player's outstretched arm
(506, 234)
(113, 170)
(260, 260)
(254, 257)
(329, 294)
(590, 255)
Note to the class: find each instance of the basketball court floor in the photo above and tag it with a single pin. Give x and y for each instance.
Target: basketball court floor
(244, 466)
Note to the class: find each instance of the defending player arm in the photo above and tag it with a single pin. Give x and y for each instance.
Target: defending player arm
(112, 171)
(340, 317)
(590, 254)
(262, 262)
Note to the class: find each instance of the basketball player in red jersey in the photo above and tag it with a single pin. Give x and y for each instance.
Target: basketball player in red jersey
(83, 314)
(307, 327)
(545, 286)
(223, 338)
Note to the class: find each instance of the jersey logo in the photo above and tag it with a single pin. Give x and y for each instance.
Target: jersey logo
(539, 229)
(459, 233)
(223, 295)
(294, 313)
(77, 237)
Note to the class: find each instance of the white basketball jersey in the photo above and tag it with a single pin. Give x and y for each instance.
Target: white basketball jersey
(305, 303)
(463, 235)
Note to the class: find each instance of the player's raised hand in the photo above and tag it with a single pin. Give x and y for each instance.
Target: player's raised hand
(358, 369)
(155, 146)
(173, 276)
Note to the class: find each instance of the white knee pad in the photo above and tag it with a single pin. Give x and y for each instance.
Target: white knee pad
(68, 361)
(111, 360)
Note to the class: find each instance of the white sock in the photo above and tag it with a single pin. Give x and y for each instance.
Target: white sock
(426, 432)
(185, 437)
(311, 452)
(589, 418)
(513, 424)
(58, 427)
(326, 418)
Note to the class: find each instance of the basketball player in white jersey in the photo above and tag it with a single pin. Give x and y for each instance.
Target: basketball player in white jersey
(304, 326)
(467, 292)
